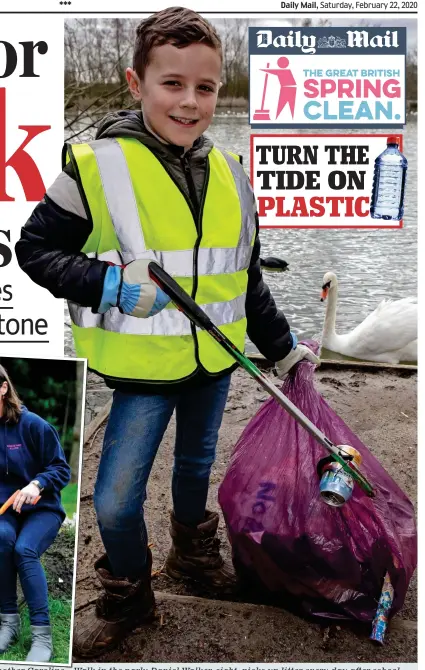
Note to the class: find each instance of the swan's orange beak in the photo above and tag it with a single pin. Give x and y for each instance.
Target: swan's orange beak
(324, 293)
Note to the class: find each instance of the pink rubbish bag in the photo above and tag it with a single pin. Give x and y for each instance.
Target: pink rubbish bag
(327, 562)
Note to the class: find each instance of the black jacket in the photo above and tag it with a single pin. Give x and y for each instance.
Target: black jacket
(49, 247)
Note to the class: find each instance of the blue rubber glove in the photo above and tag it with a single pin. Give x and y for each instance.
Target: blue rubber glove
(111, 285)
(131, 290)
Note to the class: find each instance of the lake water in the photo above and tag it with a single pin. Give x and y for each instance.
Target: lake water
(370, 265)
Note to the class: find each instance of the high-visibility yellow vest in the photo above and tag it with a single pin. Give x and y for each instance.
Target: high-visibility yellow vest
(139, 212)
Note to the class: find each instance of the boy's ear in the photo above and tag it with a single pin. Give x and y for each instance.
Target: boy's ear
(133, 83)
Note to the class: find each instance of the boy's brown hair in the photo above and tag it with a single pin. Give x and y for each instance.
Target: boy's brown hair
(175, 25)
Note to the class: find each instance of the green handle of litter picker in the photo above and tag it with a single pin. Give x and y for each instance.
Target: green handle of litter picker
(179, 297)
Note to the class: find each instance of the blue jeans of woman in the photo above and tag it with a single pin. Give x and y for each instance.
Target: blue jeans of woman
(134, 432)
(23, 539)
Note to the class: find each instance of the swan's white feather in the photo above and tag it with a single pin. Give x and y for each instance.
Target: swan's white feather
(388, 334)
(392, 326)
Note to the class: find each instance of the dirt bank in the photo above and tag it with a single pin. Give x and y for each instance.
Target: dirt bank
(58, 562)
(380, 407)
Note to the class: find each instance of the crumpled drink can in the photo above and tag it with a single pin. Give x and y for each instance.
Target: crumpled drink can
(336, 485)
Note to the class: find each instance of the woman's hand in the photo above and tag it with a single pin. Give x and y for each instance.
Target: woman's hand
(26, 495)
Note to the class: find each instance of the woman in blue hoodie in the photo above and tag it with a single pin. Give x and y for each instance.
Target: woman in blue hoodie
(31, 460)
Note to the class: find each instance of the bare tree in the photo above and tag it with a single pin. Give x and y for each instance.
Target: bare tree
(234, 37)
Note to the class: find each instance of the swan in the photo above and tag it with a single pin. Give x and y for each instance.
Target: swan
(387, 335)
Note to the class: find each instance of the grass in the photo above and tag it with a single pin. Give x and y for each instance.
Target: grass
(69, 499)
(60, 617)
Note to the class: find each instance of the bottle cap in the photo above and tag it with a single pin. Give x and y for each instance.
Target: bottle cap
(393, 139)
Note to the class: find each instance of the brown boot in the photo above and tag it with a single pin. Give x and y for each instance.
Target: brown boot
(124, 605)
(195, 553)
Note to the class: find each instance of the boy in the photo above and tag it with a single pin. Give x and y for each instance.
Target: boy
(152, 186)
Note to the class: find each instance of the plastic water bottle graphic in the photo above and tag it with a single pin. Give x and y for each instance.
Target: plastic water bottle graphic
(389, 180)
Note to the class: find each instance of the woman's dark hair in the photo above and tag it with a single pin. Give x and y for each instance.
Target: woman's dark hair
(12, 405)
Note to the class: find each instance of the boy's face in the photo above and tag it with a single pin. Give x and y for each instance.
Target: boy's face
(179, 91)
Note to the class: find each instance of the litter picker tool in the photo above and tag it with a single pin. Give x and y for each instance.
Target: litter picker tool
(189, 307)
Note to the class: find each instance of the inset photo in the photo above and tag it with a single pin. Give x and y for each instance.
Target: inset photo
(41, 413)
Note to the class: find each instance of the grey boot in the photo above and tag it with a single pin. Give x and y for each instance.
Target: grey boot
(9, 630)
(41, 647)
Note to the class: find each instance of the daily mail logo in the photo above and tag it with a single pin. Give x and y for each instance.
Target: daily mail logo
(327, 77)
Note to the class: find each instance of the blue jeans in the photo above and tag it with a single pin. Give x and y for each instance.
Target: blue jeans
(23, 539)
(135, 429)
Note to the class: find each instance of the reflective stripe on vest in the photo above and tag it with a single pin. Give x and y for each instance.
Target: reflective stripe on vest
(171, 322)
(130, 221)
